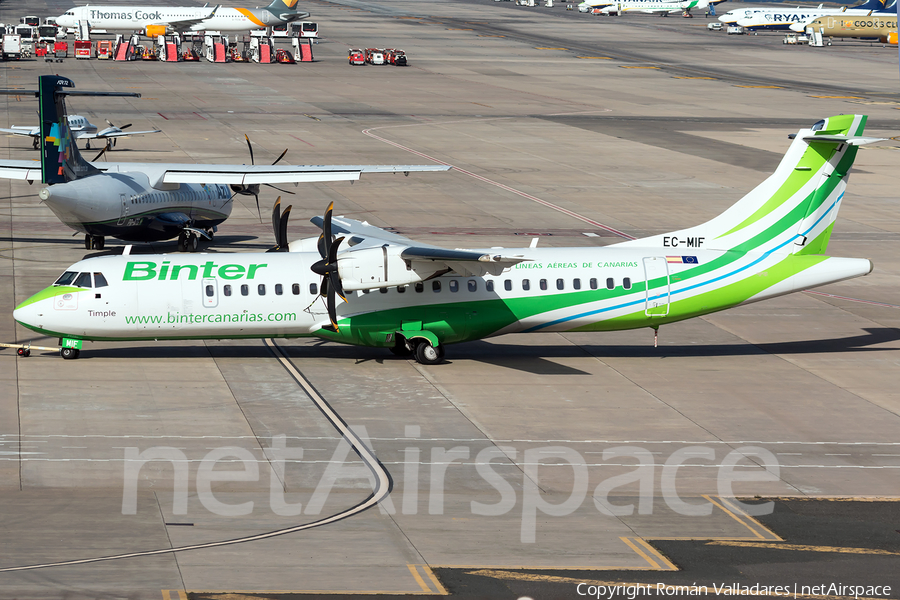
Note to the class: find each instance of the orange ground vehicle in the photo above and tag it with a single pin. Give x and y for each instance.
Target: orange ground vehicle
(285, 57)
(104, 49)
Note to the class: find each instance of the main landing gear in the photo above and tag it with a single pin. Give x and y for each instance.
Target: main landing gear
(94, 242)
(188, 242)
(424, 352)
(69, 353)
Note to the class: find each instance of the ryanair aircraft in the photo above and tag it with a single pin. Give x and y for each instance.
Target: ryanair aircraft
(159, 20)
(416, 298)
(783, 18)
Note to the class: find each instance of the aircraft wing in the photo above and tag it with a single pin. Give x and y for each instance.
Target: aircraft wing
(259, 174)
(467, 263)
(182, 24)
(114, 134)
(26, 170)
(26, 131)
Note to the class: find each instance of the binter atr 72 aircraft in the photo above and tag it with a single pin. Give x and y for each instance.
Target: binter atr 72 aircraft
(146, 202)
(417, 298)
(159, 20)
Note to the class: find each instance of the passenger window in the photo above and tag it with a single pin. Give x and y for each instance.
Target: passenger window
(313, 289)
(401, 289)
(420, 287)
(489, 285)
(507, 285)
(279, 290)
(435, 286)
(576, 284)
(99, 280)
(261, 289)
(626, 283)
(543, 284)
(454, 285)
(295, 289)
(593, 283)
(526, 285)
(245, 290)
(473, 285)
(84, 280)
(226, 289)
(560, 284)
(610, 283)
(209, 291)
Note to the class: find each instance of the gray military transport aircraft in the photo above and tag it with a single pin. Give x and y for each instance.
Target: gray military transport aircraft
(146, 202)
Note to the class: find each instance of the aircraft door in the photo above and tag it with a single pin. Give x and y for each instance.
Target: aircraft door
(124, 214)
(210, 293)
(658, 287)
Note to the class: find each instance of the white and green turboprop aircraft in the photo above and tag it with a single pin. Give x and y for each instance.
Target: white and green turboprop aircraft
(663, 7)
(417, 298)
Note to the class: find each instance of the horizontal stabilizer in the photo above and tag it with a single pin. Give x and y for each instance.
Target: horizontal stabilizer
(853, 140)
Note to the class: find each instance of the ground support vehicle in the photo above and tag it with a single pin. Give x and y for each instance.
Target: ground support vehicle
(356, 56)
(12, 47)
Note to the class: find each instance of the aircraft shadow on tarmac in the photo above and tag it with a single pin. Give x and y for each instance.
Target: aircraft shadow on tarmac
(530, 359)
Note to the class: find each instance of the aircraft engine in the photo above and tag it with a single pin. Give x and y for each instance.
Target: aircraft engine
(381, 267)
(153, 31)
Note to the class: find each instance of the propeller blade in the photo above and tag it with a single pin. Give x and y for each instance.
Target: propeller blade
(280, 190)
(332, 251)
(336, 283)
(332, 309)
(250, 146)
(282, 229)
(326, 224)
(126, 126)
(323, 287)
(276, 218)
(321, 246)
(257, 207)
(108, 122)
(102, 152)
(280, 157)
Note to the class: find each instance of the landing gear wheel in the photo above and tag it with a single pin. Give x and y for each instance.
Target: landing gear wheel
(94, 242)
(193, 243)
(182, 242)
(426, 354)
(23, 352)
(87, 242)
(69, 353)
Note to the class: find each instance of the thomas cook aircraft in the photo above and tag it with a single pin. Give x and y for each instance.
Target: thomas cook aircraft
(416, 298)
(81, 129)
(145, 202)
(159, 20)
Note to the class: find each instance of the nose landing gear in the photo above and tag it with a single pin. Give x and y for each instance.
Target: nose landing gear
(94, 242)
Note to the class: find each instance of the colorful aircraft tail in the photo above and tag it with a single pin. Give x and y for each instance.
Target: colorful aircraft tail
(791, 212)
(876, 5)
(60, 159)
(289, 7)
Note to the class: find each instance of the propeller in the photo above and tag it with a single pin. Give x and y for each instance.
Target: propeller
(102, 152)
(279, 227)
(328, 267)
(253, 189)
(123, 127)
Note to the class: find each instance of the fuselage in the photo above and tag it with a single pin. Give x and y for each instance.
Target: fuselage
(135, 18)
(652, 6)
(782, 19)
(873, 26)
(125, 206)
(195, 296)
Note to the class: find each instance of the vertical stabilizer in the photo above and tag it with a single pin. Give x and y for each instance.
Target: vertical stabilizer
(60, 159)
(794, 209)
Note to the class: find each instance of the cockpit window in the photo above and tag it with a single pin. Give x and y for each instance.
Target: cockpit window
(66, 278)
(83, 280)
(99, 280)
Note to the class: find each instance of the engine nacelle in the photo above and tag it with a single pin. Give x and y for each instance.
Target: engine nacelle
(153, 31)
(382, 267)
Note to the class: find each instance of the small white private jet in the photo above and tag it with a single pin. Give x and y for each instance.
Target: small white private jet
(415, 298)
(81, 129)
(146, 202)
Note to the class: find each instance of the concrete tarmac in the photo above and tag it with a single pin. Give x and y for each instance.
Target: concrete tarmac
(502, 457)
